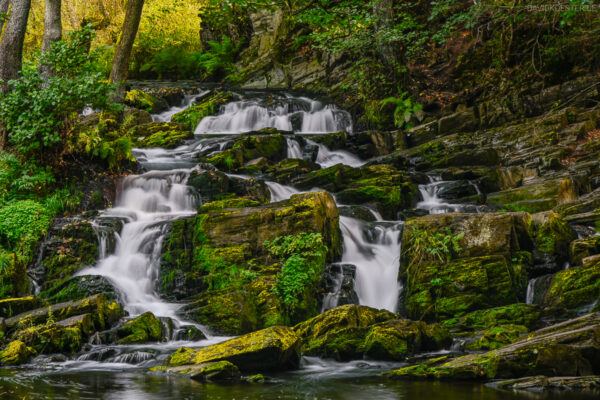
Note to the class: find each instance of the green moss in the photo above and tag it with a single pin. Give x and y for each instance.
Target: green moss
(144, 101)
(159, 134)
(16, 353)
(518, 314)
(227, 203)
(496, 337)
(574, 287)
(192, 116)
(52, 338)
(142, 329)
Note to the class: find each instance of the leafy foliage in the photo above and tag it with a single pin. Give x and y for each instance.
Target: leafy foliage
(302, 257)
(432, 246)
(218, 61)
(38, 113)
(20, 180)
(406, 110)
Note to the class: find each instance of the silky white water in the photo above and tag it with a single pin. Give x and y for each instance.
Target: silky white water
(187, 102)
(282, 112)
(293, 149)
(145, 202)
(375, 251)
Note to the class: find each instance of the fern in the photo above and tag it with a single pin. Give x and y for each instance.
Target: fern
(406, 110)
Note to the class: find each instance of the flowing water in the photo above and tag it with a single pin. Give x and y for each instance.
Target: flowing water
(285, 112)
(434, 203)
(146, 203)
(187, 101)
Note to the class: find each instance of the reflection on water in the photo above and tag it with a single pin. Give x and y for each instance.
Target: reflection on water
(134, 385)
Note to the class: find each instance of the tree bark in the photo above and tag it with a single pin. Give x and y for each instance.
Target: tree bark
(52, 31)
(120, 69)
(3, 10)
(11, 50)
(384, 20)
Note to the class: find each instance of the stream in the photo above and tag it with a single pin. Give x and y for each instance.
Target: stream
(147, 202)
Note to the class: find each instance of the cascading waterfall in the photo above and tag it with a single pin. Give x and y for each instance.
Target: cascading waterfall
(146, 202)
(283, 112)
(375, 251)
(187, 101)
(433, 203)
(293, 149)
(328, 158)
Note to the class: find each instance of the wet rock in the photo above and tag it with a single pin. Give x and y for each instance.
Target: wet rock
(519, 313)
(16, 353)
(212, 186)
(11, 307)
(574, 287)
(144, 101)
(166, 135)
(143, 329)
(582, 248)
(133, 117)
(247, 148)
(339, 285)
(485, 264)
(218, 371)
(566, 349)
(80, 287)
(67, 338)
(172, 95)
(553, 236)
(189, 332)
(496, 337)
(543, 383)
(358, 212)
(276, 348)
(192, 115)
(104, 313)
(289, 169)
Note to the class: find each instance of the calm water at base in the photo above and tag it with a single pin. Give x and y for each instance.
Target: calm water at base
(134, 385)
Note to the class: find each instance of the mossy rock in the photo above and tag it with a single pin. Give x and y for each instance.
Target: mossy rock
(12, 307)
(519, 314)
(574, 287)
(566, 349)
(15, 353)
(213, 186)
(340, 332)
(553, 235)
(54, 338)
(397, 339)
(247, 148)
(496, 337)
(219, 371)
(142, 329)
(160, 134)
(228, 203)
(192, 115)
(276, 348)
(583, 248)
(144, 101)
(287, 170)
(80, 287)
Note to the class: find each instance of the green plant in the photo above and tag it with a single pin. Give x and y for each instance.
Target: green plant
(302, 257)
(218, 60)
(406, 109)
(21, 179)
(39, 112)
(432, 246)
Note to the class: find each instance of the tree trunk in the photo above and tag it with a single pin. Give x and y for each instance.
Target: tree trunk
(3, 10)
(383, 11)
(11, 50)
(52, 30)
(118, 75)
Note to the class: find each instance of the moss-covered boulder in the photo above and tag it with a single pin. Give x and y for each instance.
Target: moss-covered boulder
(272, 349)
(160, 134)
(496, 337)
(104, 313)
(520, 314)
(574, 287)
(142, 329)
(247, 148)
(212, 186)
(397, 339)
(219, 371)
(15, 353)
(457, 263)
(70, 245)
(570, 348)
(389, 189)
(541, 195)
(340, 332)
(14, 306)
(145, 101)
(54, 338)
(80, 287)
(553, 236)
(289, 169)
(192, 115)
(583, 248)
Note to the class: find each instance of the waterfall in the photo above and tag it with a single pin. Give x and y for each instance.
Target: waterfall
(328, 158)
(293, 149)
(433, 203)
(375, 250)
(530, 291)
(187, 102)
(282, 112)
(146, 202)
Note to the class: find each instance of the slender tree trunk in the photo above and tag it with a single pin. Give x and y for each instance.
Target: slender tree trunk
(384, 20)
(52, 30)
(118, 75)
(3, 10)
(11, 50)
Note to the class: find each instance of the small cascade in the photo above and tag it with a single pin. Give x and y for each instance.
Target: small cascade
(375, 250)
(327, 158)
(282, 112)
(280, 192)
(434, 203)
(146, 202)
(187, 102)
(530, 291)
(293, 149)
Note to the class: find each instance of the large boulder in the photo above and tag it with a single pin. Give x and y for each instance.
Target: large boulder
(456, 263)
(250, 147)
(571, 348)
(575, 287)
(216, 185)
(160, 134)
(217, 371)
(353, 332)
(142, 329)
(16, 353)
(11, 307)
(145, 101)
(272, 349)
